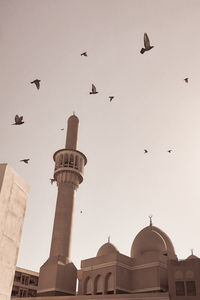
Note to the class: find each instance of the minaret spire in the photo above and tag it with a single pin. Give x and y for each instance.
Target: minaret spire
(72, 133)
(68, 173)
(150, 219)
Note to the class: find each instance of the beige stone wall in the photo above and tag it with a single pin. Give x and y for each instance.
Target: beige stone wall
(13, 196)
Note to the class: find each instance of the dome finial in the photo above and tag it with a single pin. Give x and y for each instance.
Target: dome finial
(150, 218)
(192, 251)
(109, 239)
(74, 113)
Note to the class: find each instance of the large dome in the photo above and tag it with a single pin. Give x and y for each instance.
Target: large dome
(150, 239)
(106, 249)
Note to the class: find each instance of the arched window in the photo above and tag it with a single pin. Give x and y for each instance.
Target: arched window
(76, 162)
(71, 161)
(191, 288)
(98, 285)
(109, 284)
(81, 164)
(60, 160)
(180, 288)
(88, 286)
(66, 160)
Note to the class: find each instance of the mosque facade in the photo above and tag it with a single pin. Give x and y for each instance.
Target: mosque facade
(152, 271)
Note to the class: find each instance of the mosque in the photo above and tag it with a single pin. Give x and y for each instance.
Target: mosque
(152, 271)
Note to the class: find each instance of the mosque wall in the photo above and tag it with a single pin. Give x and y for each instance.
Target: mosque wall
(123, 279)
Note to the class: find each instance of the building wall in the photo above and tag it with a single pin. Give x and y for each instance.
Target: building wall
(25, 283)
(13, 197)
(123, 279)
(184, 279)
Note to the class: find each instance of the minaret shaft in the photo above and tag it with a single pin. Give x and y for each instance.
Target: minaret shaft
(58, 275)
(62, 230)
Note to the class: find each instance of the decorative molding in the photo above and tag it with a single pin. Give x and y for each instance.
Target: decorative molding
(119, 264)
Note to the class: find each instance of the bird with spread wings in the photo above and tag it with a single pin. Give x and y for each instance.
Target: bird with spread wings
(147, 45)
(18, 120)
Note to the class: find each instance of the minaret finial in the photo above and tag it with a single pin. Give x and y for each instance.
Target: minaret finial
(150, 218)
(109, 239)
(74, 113)
(192, 251)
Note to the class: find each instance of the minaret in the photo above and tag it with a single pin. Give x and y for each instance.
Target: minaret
(58, 274)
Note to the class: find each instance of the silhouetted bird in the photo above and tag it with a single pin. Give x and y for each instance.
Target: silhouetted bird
(111, 98)
(52, 180)
(18, 120)
(186, 79)
(169, 151)
(94, 90)
(145, 151)
(84, 54)
(25, 160)
(37, 83)
(62, 129)
(147, 45)
(81, 211)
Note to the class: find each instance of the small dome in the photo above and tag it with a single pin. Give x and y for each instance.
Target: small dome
(192, 256)
(106, 249)
(151, 239)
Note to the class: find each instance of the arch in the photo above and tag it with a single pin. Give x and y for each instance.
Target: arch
(81, 164)
(66, 160)
(71, 161)
(189, 274)
(88, 286)
(76, 162)
(60, 159)
(98, 285)
(109, 283)
(178, 275)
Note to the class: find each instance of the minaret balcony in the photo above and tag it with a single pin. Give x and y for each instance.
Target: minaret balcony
(68, 160)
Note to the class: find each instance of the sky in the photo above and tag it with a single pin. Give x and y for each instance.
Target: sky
(153, 108)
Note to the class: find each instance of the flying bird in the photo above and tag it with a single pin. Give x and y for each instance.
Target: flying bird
(145, 151)
(81, 211)
(111, 98)
(84, 54)
(94, 90)
(169, 151)
(52, 180)
(186, 79)
(37, 83)
(62, 129)
(26, 160)
(18, 120)
(147, 45)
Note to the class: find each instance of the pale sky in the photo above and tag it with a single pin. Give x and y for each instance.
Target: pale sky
(153, 109)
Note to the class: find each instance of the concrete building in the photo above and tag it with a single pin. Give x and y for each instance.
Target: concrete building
(25, 283)
(13, 196)
(152, 271)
